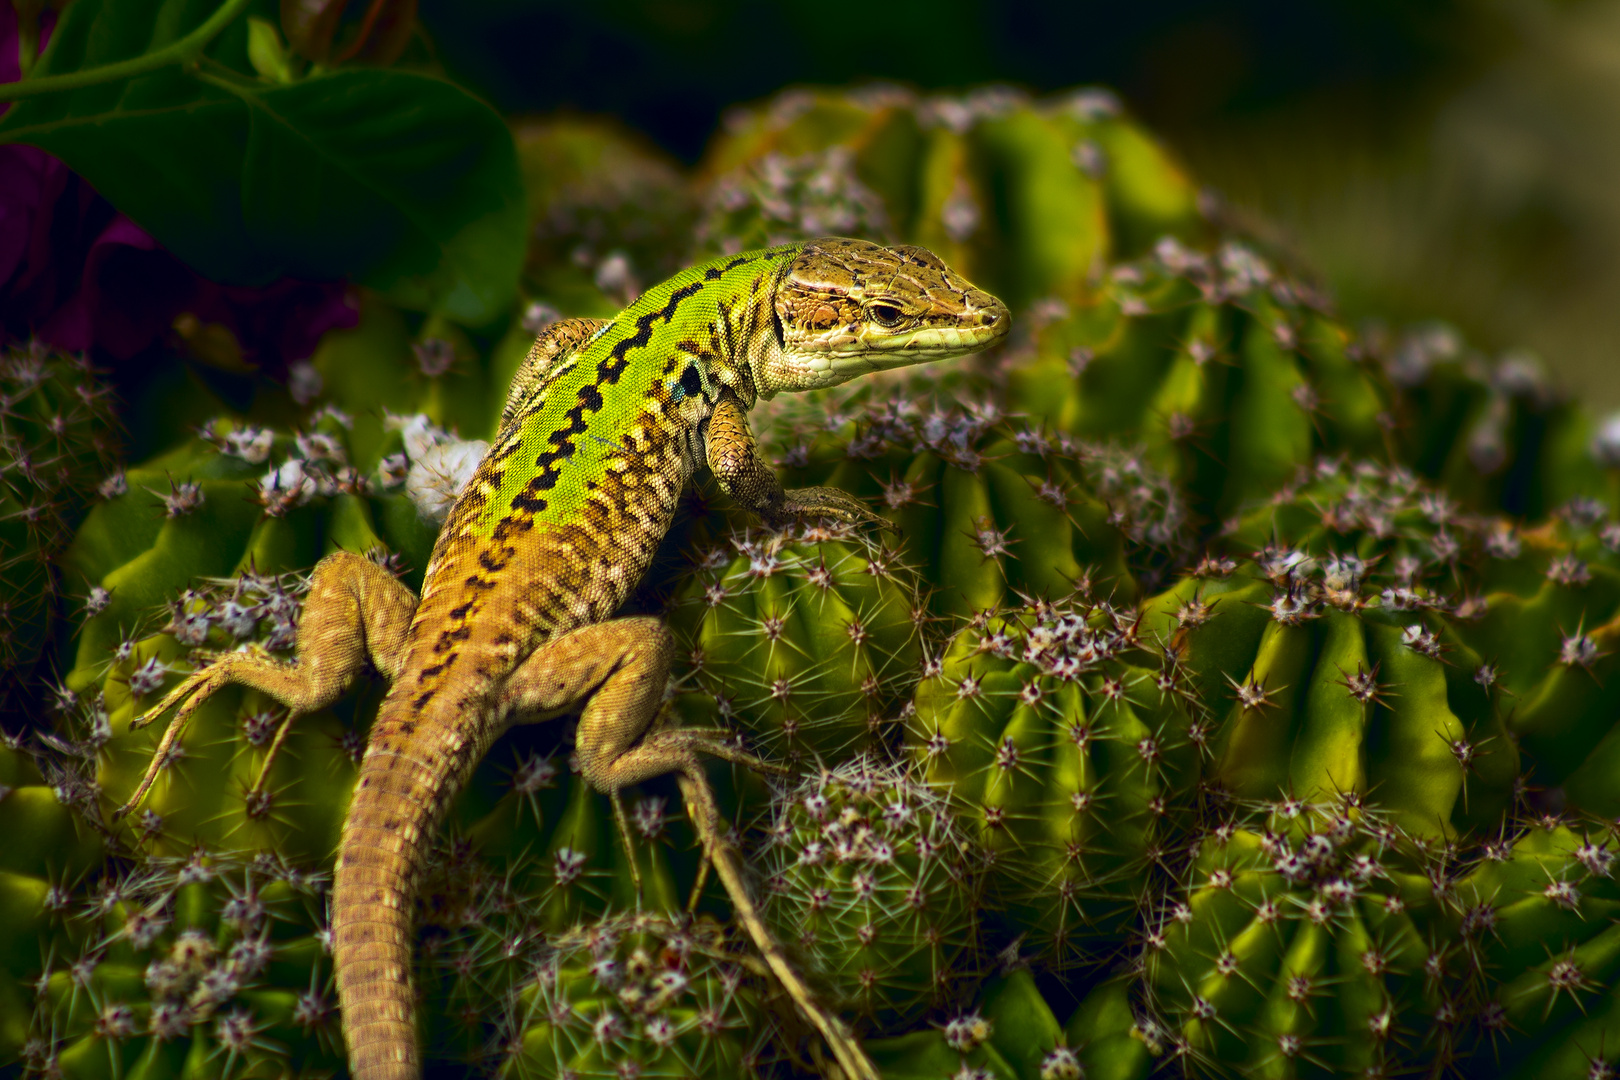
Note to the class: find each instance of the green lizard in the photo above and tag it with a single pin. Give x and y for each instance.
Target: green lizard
(603, 426)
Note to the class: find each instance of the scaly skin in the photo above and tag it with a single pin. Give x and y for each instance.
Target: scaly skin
(602, 429)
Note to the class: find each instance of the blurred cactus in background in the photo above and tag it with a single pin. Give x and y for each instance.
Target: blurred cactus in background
(58, 443)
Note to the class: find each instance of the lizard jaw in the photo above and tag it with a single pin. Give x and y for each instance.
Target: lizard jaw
(845, 353)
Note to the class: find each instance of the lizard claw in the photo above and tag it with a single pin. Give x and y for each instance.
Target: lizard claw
(204, 660)
(810, 503)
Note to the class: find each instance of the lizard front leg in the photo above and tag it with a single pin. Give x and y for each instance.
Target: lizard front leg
(619, 669)
(354, 610)
(747, 478)
(555, 344)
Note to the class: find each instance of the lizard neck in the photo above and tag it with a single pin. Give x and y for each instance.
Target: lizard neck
(745, 334)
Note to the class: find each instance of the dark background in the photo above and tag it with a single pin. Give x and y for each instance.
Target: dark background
(1432, 158)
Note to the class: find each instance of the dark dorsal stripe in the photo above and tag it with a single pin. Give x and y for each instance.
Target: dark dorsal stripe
(618, 358)
(529, 501)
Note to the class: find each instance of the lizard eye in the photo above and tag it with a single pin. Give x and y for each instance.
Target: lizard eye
(885, 315)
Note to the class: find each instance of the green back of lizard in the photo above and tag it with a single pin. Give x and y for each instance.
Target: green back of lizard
(570, 502)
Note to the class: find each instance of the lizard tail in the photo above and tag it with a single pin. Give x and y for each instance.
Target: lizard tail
(412, 769)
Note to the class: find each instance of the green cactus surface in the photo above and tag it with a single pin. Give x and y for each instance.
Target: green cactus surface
(1306, 940)
(1066, 749)
(1321, 685)
(58, 442)
(49, 854)
(808, 639)
(1228, 374)
(1496, 434)
(994, 512)
(634, 996)
(1011, 1033)
(199, 966)
(871, 881)
(1538, 917)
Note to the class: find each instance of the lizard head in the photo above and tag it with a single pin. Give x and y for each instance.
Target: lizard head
(849, 307)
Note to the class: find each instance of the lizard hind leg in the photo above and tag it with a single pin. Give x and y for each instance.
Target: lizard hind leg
(355, 610)
(620, 669)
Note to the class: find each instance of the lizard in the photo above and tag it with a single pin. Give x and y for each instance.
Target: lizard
(603, 425)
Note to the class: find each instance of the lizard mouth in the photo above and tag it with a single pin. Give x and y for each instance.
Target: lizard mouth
(874, 348)
(879, 332)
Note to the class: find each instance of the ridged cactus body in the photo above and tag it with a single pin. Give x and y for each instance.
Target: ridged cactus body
(634, 996)
(870, 880)
(57, 443)
(1540, 919)
(527, 820)
(1322, 684)
(993, 513)
(1522, 617)
(1065, 750)
(1228, 375)
(1010, 1032)
(201, 966)
(1495, 434)
(1307, 941)
(1548, 628)
(809, 639)
(48, 853)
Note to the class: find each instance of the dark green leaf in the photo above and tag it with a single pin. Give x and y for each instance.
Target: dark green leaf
(399, 180)
(1024, 1029)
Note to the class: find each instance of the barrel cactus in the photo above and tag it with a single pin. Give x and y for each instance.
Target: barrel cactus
(1320, 685)
(1547, 603)
(201, 965)
(1537, 913)
(1306, 939)
(1524, 613)
(634, 996)
(528, 824)
(1496, 433)
(49, 854)
(993, 510)
(1067, 747)
(870, 879)
(58, 441)
(809, 639)
(1011, 1031)
(1227, 372)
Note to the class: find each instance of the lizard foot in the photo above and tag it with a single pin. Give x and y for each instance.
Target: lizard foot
(700, 807)
(199, 676)
(216, 671)
(713, 741)
(200, 684)
(801, 504)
